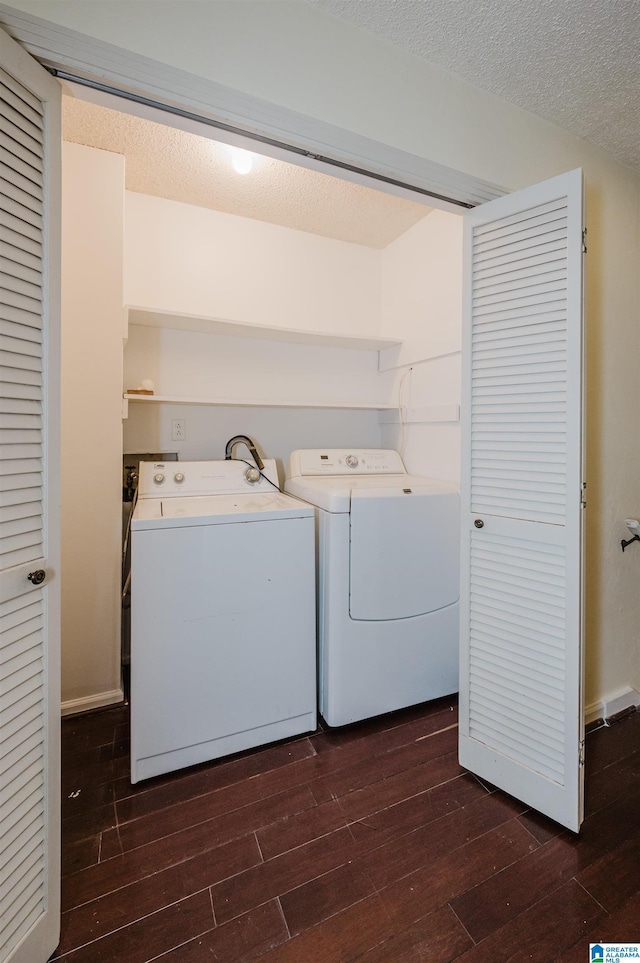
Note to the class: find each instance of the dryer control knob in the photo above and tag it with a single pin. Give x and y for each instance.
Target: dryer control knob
(351, 461)
(159, 478)
(178, 478)
(252, 475)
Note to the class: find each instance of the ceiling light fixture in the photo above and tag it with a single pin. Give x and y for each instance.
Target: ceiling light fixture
(241, 160)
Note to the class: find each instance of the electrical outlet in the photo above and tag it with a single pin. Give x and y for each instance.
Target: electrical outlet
(178, 429)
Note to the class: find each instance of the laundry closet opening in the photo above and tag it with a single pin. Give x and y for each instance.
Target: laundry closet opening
(300, 339)
(286, 303)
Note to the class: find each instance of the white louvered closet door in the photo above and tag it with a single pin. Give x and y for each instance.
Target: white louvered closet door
(29, 514)
(521, 712)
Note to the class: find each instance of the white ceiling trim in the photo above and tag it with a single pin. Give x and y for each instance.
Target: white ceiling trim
(94, 60)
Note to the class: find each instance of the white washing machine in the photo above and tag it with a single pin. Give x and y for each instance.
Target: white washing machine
(223, 629)
(388, 580)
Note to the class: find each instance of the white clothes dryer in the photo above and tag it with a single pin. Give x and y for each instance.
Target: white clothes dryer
(223, 640)
(388, 580)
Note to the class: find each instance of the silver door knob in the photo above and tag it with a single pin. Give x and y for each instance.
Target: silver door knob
(37, 577)
(479, 523)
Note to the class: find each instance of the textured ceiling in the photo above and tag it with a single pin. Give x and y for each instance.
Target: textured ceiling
(573, 62)
(166, 162)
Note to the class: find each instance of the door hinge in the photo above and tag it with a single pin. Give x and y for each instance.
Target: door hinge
(583, 496)
(584, 240)
(581, 754)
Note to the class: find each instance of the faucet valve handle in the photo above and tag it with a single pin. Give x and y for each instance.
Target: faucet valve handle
(228, 452)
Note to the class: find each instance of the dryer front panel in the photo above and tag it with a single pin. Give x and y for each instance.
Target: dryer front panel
(404, 554)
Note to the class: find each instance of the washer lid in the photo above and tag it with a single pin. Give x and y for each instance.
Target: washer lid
(216, 510)
(333, 492)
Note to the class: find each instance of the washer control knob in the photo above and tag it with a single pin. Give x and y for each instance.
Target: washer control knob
(252, 475)
(159, 478)
(178, 478)
(351, 461)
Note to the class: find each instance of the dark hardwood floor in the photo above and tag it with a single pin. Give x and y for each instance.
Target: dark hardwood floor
(368, 843)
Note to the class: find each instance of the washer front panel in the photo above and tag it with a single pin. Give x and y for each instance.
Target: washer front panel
(223, 641)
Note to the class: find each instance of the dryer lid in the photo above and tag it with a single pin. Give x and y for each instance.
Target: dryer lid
(333, 493)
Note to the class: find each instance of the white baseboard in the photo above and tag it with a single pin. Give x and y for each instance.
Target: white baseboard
(593, 712)
(607, 708)
(604, 709)
(92, 702)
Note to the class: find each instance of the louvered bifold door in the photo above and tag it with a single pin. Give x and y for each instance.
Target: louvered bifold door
(521, 715)
(29, 591)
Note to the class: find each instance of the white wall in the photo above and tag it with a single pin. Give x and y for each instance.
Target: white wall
(190, 259)
(200, 365)
(279, 51)
(422, 281)
(195, 261)
(92, 329)
(410, 290)
(422, 304)
(276, 431)
(195, 364)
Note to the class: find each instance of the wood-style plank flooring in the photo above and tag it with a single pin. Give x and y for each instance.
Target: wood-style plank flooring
(368, 843)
